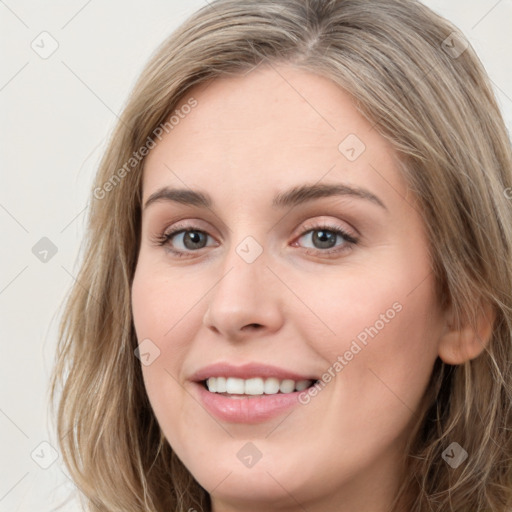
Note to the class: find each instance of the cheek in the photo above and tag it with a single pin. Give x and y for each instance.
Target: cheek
(381, 342)
(157, 317)
(163, 306)
(156, 314)
(364, 305)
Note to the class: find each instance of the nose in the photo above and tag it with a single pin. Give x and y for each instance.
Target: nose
(245, 301)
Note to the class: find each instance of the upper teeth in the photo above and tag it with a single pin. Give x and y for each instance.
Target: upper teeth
(255, 386)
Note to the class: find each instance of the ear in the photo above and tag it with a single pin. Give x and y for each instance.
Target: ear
(462, 343)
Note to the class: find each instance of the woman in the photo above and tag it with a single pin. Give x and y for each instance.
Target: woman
(340, 337)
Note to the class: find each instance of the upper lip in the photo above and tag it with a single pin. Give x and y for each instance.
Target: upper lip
(247, 371)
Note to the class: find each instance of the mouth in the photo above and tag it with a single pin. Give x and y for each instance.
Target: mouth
(250, 393)
(234, 387)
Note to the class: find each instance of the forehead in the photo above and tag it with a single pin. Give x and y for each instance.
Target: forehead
(273, 126)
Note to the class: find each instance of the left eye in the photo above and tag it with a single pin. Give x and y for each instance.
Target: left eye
(324, 237)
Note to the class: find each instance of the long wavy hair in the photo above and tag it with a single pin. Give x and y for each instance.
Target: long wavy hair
(419, 82)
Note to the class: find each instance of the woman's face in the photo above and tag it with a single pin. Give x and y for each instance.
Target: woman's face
(310, 263)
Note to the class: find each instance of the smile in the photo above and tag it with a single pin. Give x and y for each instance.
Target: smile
(254, 386)
(248, 393)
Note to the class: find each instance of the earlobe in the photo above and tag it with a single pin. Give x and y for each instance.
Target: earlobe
(463, 343)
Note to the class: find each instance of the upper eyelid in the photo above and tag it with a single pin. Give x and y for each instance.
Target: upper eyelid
(307, 226)
(305, 222)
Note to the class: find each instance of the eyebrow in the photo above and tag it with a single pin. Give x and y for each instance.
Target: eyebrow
(292, 197)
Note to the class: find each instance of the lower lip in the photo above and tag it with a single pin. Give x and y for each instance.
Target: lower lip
(254, 409)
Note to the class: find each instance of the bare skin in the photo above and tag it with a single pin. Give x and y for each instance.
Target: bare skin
(249, 138)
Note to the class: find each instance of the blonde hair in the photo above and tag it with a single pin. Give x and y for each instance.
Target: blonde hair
(433, 101)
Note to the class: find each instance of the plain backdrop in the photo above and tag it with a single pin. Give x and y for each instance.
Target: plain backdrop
(56, 113)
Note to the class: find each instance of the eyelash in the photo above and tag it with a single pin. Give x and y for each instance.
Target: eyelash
(349, 240)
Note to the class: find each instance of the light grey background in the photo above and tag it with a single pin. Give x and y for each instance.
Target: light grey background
(56, 114)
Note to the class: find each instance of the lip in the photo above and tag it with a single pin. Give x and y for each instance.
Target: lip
(254, 409)
(246, 409)
(248, 371)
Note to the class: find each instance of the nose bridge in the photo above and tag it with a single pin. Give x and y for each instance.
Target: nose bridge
(244, 293)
